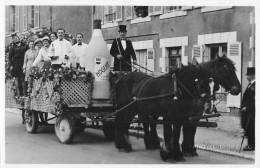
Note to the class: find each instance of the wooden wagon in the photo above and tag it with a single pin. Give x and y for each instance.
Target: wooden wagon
(66, 94)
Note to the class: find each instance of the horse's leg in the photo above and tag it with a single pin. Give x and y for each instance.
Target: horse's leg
(155, 142)
(176, 152)
(188, 145)
(146, 132)
(166, 147)
(119, 131)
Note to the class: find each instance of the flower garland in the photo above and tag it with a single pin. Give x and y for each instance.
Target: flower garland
(55, 76)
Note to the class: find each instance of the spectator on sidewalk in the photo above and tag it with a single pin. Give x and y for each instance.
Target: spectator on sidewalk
(248, 110)
(62, 50)
(78, 52)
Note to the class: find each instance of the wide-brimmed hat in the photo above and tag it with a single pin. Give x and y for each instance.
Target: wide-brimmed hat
(45, 38)
(250, 71)
(122, 28)
(37, 40)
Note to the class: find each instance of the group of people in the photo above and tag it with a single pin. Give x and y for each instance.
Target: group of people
(56, 52)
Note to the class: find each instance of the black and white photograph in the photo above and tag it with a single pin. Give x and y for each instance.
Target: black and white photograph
(135, 83)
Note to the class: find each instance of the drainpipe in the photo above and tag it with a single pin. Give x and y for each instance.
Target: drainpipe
(50, 10)
(253, 37)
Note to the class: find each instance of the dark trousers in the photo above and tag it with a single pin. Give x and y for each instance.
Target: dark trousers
(251, 137)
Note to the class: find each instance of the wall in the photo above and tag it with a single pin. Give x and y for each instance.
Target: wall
(74, 19)
(193, 24)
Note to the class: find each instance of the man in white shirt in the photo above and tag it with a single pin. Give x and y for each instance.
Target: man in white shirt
(63, 51)
(78, 52)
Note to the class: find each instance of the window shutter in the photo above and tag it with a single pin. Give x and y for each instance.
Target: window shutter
(7, 20)
(25, 17)
(106, 9)
(150, 59)
(17, 18)
(167, 9)
(128, 12)
(36, 16)
(197, 53)
(186, 7)
(118, 12)
(234, 53)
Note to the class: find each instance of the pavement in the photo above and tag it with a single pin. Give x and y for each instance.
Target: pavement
(225, 139)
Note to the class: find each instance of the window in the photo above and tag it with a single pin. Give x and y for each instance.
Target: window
(112, 13)
(155, 10)
(35, 14)
(128, 12)
(168, 9)
(174, 58)
(141, 58)
(25, 18)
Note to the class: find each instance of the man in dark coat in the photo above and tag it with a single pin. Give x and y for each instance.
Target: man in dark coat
(122, 48)
(248, 110)
(16, 60)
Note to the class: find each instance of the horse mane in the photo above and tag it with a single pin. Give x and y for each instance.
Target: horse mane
(212, 66)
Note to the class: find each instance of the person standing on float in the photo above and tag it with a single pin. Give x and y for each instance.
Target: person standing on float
(60, 51)
(122, 50)
(79, 52)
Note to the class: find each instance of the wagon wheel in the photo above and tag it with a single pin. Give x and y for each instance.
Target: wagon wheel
(79, 126)
(109, 130)
(65, 128)
(31, 118)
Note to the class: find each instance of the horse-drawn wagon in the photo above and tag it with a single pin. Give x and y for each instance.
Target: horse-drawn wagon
(75, 99)
(67, 95)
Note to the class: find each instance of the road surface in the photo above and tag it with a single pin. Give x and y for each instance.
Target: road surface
(90, 147)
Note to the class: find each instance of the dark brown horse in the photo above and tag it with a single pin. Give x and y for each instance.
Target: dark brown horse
(190, 101)
(223, 71)
(187, 104)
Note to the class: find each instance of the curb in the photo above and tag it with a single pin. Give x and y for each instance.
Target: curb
(140, 134)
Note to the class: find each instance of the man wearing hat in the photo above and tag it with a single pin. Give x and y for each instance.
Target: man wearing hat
(122, 50)
(248, 110)
(16, 60)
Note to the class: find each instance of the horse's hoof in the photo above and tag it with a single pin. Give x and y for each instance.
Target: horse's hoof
(187, 154)
(152, 147)
(194, 153)
(163, 155)
(125, 150)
